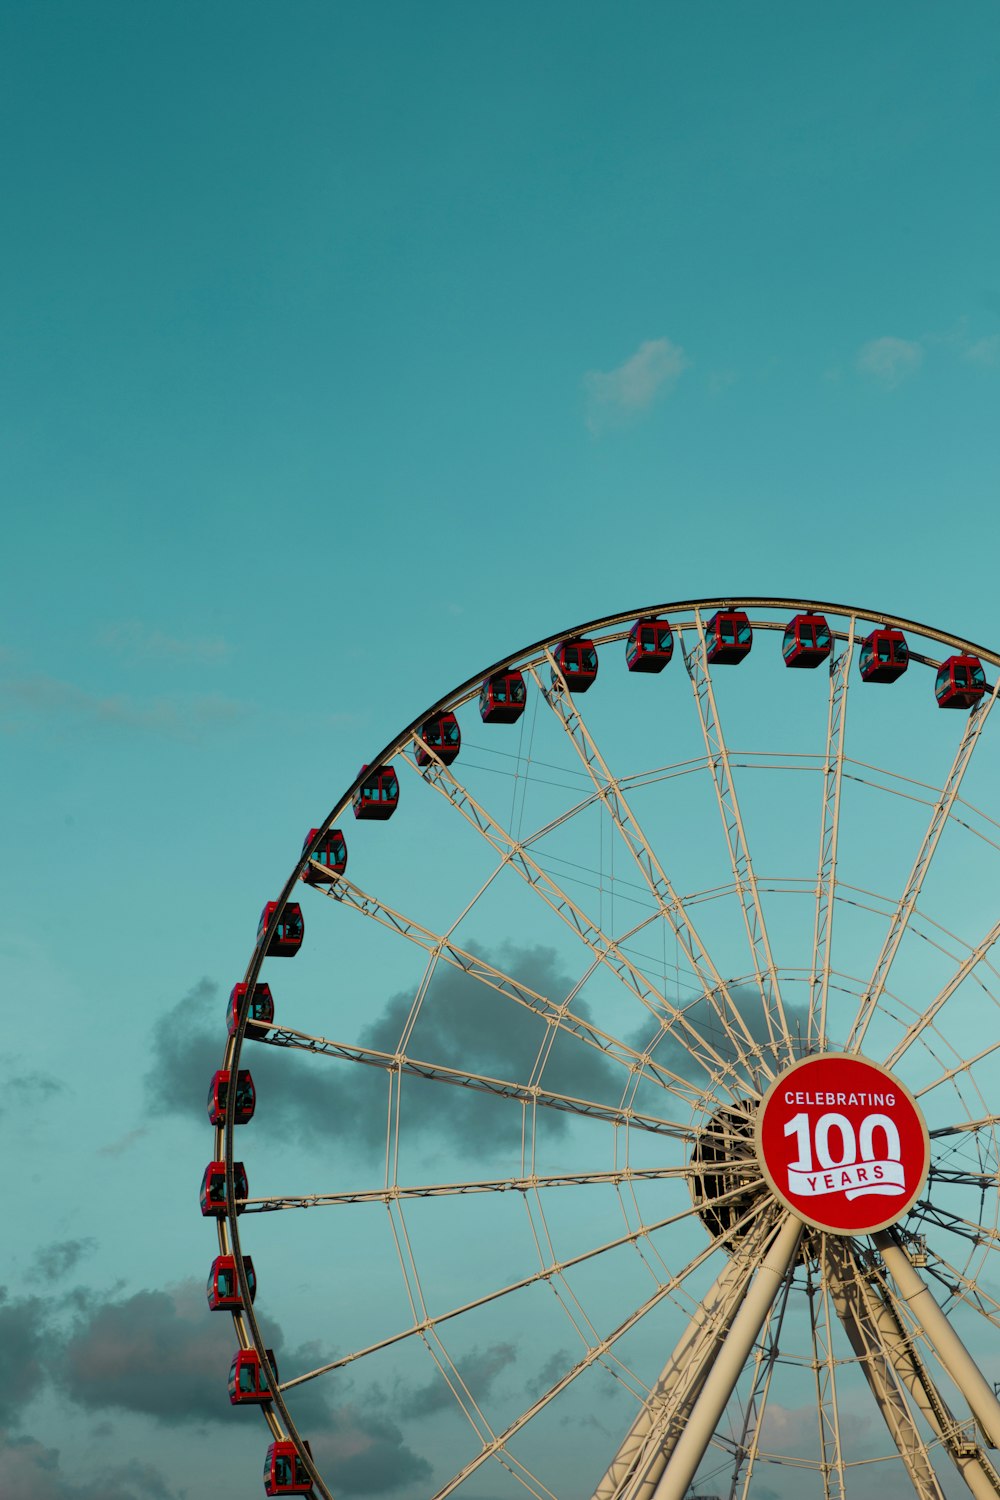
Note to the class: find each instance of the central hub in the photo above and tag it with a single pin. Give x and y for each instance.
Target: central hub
(727, 1179)
(842, 1143)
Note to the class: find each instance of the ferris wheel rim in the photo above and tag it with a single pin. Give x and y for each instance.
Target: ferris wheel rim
(229, 1236)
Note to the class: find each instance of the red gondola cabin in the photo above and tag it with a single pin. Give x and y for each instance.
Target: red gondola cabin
(330, 852)
(248, 1378)
(442, 735)
(213, 1188)
(577, 662)
(223, 1289)
(378, 795)
(284, 933)
(807, 641)
(284, 1471)
(218, 1091)
(728, 637)
(502, 698)
(884, 656)
(650, 646)
(261, 1008)
(960, 682)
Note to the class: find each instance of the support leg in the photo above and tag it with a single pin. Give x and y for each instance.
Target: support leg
(731, 1358)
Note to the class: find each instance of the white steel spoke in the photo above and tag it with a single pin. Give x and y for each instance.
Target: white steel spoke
(736, 841)
(597, 1352)
(555, 1268)
(733, 1355)
(908, 900)
(963, 971)
(606, 949)
(965, 1066)
(988, 1122)
(671, 908)
(531, 1094)
(346, 893)
(637, 1466)
(826, 874)
(531, 1183)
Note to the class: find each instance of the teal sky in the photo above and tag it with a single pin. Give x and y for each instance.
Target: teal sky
(346, 349)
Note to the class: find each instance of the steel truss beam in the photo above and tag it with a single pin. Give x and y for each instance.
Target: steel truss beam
(671, 908)
(721, 1379)
(859, 1317)
(908, 900)
(528, 1184)
(963, 971)
(598, 1351)
(555, 1268)
(765, 1361)
(605, 949)
(940, 1334)
(440, 946)
(636, 1468)
(824, 1365)
(826, 874)
(901, 1350)
(736, 841)
(530, 1094)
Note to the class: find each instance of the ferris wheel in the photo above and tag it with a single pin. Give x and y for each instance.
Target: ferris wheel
(627, 1122)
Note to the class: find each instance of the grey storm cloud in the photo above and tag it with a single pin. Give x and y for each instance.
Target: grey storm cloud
(479, 1369)
(464, 1023)
(32, 1087)
(366, 1451)
(703, 1015)
(159, 1353)
(58, 1259)
(23, 1338)
(164, 1356)
(31, 1471)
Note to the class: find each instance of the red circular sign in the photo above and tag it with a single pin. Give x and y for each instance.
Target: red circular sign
(842, 1143)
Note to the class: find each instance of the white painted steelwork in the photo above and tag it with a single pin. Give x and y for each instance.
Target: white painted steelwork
(677, 1062)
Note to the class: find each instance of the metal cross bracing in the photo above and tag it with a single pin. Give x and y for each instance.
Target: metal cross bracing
(607, 950)
(866, 1327)
(765, 1361)
(908, 900)
(637, 1467)
(908, 1314)
(765, 972)
(824, 1365)
(671, 908)
(826, 875)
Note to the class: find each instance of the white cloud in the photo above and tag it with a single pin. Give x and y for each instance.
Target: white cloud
(890, 360)
(613, 396)
(130, 638)
(984, 351)
(46, 700)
